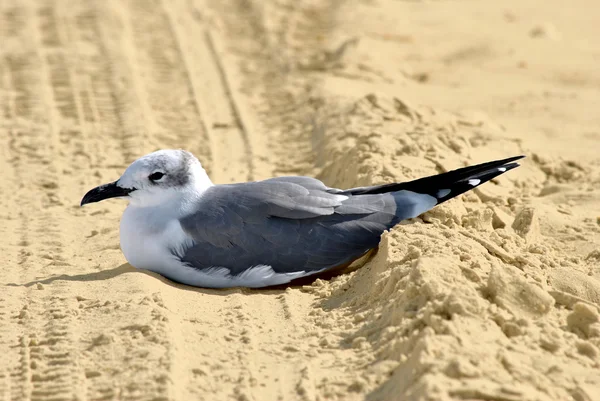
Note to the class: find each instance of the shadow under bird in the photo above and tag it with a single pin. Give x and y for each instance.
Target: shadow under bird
(257, 234)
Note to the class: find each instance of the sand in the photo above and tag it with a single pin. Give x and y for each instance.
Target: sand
(491, 296)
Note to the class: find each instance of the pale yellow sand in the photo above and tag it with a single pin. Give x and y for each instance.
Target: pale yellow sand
(493, 296)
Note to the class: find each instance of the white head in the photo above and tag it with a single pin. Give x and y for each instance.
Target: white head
(159, 178)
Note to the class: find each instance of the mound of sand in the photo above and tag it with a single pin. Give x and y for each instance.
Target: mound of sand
(492, 296)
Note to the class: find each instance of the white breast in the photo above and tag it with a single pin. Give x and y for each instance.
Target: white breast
(146, 237)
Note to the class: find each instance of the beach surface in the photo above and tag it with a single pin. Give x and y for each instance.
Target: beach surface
(494, 295)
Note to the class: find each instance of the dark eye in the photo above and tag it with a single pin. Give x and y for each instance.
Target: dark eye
(156, 176)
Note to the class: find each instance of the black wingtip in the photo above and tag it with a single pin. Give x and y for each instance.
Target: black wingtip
(495, 163)
(444, 181)
(477, 176)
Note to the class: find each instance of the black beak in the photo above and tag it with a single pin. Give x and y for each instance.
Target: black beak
(105, 191)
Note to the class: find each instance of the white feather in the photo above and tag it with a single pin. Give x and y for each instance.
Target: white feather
(442, 193)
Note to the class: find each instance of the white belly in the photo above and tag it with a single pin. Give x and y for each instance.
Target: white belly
(157, 244)
(146, 240)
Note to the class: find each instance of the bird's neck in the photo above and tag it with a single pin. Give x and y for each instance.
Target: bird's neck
(187, 199)
(200, 180)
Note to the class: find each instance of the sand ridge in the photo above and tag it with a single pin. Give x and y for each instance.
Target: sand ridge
(493, 296)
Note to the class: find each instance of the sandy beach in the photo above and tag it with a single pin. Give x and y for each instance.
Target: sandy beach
(494, 295)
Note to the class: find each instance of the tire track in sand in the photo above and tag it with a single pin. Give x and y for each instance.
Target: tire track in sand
(273, 50)
(12, 102)
(47, 362)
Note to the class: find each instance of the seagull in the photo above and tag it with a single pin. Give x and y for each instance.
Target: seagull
(262, 233)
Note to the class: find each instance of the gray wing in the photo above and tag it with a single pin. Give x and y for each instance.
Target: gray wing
(292, 224)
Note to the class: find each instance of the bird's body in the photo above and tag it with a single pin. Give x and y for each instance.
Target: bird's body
(262, 233)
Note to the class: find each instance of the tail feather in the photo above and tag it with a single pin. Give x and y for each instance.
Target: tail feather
(446, 185)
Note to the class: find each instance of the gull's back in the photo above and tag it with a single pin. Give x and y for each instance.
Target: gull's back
(291, 225)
